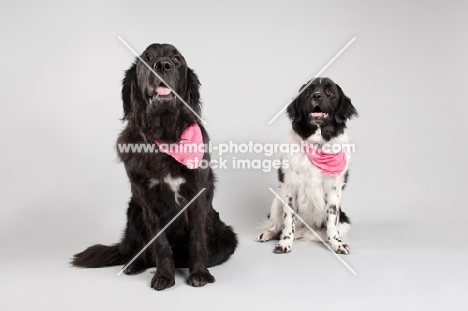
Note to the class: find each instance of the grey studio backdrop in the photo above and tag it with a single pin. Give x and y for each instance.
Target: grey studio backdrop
(63, 189)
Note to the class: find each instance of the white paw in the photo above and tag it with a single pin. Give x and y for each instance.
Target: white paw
(340, 247)
(283, 247)
(266, 236)
(343, 249)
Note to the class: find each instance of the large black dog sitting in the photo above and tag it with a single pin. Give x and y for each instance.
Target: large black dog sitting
(161, 185)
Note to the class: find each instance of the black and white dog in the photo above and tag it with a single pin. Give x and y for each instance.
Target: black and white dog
(313, 182)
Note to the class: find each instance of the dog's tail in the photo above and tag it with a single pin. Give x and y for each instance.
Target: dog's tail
(97, 256)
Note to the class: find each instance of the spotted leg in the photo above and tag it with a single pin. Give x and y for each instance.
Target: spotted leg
(333, 212)
(287, 231)
(274, 218)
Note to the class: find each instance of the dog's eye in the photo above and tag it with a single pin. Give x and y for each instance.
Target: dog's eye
(147, 58)
(176, 59)
(329, 92)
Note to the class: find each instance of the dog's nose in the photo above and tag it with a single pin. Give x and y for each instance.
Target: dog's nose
(317, 95)
(163, 65)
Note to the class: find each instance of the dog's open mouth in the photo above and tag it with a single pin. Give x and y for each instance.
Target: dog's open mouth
(161, 91)
(318, 114)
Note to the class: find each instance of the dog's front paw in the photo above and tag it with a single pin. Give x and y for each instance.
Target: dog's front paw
(160, 282)
(201, 278)
(341, 248)
(283, 247)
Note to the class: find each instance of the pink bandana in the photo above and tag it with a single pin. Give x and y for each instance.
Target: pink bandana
(331, 164)
(189, 151)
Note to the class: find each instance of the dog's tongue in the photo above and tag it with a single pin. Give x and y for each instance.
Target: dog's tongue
(162, 90)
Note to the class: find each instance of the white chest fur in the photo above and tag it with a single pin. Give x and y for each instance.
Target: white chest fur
(309, 187)
(174, 184)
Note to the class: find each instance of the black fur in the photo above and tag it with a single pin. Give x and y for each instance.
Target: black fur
(335, 103)
(198, 238)
(280, 175)
(344, 218)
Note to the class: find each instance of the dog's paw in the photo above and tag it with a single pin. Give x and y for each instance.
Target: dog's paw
(341, 248)
(266, 236)
(199, 279)
(283, 247)
(135, 268)
(160, 282)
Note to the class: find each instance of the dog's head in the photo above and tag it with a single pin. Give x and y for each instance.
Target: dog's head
(322, 104)
(147, 98)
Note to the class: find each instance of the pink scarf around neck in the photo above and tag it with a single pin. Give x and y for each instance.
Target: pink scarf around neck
(189, 151)
(331, 164)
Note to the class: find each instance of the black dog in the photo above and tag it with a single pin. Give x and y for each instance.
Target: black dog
(160, 185)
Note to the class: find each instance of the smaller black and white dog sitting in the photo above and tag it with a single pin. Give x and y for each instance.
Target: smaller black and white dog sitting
(313, 182)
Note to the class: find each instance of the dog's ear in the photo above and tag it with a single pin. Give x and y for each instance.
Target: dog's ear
(128, 85)
(345, 109)
(293, 110)
(193, 90)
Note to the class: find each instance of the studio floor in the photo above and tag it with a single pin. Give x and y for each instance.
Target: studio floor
(399, 267)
